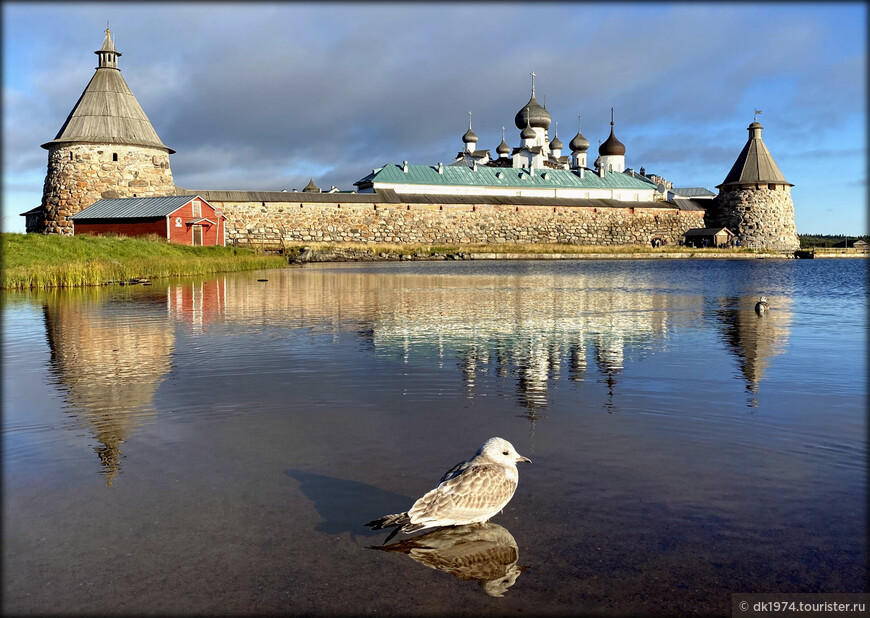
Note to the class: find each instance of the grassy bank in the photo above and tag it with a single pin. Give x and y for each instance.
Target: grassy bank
(38, 261)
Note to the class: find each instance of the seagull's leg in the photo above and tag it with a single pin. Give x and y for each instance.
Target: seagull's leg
(392, 534)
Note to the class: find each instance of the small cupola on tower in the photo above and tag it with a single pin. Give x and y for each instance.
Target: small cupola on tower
(556, 144)
(503, 149)
(107, 54)
(612, 152)
(578, 145)
(470, 138)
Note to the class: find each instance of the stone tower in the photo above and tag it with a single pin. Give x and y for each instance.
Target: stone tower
(754, 200)
(106, 148)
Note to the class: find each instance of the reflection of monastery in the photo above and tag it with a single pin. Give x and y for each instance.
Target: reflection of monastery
(111, 363)
(538, 191)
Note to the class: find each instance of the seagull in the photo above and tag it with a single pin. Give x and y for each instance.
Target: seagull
(761, 306)
(471, 492)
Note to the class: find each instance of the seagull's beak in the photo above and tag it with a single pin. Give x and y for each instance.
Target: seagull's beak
(525, 459)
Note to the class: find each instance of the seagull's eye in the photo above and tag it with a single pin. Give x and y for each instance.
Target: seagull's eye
(504, 452)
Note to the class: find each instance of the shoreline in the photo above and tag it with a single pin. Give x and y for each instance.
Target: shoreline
(329, 254)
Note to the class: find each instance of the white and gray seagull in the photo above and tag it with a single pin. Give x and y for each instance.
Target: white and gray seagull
(471, 492)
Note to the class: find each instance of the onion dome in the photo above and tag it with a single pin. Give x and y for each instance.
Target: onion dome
(470, 136)
(612, 146)
(503, 148)
(556, 143)
(579, 143)
(534, 114)
(528, 132)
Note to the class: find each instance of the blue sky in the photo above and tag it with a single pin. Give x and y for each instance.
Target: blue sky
(266, 96)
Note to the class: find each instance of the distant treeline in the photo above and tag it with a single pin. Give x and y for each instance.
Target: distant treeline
(827, 240)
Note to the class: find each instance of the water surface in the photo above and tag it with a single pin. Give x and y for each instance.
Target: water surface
(214, 445)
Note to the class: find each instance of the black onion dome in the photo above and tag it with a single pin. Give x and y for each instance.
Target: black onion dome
(470, 136)
(533, 113)
(503, 148)
(579, 143)
(612, 146)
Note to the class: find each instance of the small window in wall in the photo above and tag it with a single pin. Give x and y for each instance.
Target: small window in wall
(114, 156)
(772, 187)
(70, 157)
(197, 209)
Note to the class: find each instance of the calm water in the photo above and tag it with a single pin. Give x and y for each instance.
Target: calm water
(215, 445)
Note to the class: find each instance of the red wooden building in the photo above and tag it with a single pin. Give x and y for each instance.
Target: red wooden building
(181, 219)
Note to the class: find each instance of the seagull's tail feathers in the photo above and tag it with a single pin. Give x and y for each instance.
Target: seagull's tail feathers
(388, 521)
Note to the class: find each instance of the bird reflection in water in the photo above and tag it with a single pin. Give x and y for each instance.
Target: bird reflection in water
(486, 553)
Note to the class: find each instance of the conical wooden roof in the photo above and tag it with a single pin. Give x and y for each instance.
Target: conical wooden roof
(755, 164)
(108, 112)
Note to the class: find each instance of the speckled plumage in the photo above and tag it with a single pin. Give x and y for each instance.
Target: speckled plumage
(471, 492)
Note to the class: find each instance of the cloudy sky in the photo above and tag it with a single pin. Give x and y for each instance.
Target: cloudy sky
(266, 96)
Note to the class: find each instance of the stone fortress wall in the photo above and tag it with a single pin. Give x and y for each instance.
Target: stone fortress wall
(81, 174)
(272, 224)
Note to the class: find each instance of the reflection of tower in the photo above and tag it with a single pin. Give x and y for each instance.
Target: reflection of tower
(754, 339)
(110, 363)
(468, 363)
(533, 370)
(609, 357)
(577, 363)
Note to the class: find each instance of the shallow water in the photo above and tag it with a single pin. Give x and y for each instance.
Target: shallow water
(215, 445)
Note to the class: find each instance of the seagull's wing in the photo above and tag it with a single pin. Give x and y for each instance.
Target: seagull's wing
(464, 497)
(462, 465)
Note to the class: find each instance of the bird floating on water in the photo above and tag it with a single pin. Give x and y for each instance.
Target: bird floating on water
(761, 306)
(471, 492)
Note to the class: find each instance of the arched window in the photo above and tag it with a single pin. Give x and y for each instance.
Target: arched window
(114, 156)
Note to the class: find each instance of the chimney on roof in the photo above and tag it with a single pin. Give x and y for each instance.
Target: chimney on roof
(440, 167)
(405, 166)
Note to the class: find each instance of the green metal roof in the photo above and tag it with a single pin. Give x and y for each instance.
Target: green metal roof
(486, 176)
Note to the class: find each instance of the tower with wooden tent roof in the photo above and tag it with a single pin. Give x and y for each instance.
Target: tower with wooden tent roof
(754, 200)
(107, 148)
